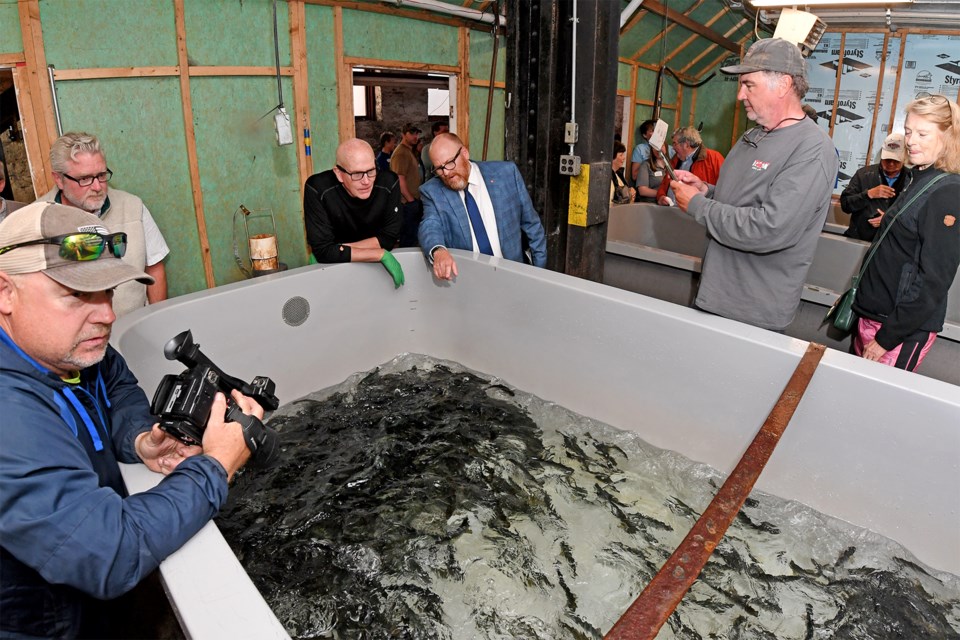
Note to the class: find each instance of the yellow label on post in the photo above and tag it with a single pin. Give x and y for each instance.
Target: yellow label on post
(579, 190)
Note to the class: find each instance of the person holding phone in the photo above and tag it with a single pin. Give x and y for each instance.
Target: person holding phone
(693, 156)
(766, 211)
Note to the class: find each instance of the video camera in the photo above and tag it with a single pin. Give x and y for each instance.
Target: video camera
(183, 402)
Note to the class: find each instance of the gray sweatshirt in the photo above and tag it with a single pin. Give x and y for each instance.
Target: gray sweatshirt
(764, 218)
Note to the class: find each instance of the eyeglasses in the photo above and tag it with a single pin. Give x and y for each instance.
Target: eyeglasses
(356, 176)
(449, 164)
(86, 181)
(756, 137)
(81, 247)
(935, 98)
(753, 137)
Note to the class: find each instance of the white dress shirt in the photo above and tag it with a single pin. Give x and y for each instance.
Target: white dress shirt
(478, 189)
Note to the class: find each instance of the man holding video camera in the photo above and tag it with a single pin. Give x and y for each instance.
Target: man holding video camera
(70, 536)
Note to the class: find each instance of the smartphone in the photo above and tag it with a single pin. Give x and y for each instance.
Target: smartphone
(666, 162)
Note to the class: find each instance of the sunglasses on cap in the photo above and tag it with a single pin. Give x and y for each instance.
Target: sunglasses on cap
(81, 247)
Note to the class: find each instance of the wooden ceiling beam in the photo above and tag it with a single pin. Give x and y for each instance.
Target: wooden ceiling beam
(637, 17)
(655, 7)
(707, 50)
(653, 42)
(686, 43)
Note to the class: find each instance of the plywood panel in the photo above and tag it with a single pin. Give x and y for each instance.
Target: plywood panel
(240, 162)
(372, 35)
(228, 32)
(109, 33)
(140, 123)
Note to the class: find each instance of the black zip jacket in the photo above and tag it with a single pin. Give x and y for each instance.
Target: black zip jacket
(905, 285)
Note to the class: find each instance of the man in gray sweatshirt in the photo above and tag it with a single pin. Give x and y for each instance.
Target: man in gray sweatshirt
(765, 214)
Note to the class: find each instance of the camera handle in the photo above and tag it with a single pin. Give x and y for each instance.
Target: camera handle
(261, 440)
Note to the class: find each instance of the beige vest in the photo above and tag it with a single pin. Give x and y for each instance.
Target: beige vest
(125, 213)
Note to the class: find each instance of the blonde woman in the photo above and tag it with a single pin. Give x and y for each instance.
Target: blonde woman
(902, 299)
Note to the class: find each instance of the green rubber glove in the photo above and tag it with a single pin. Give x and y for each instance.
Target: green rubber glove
(393, 268)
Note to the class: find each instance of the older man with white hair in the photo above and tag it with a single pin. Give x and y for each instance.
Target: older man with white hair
(765, 214)
(81, 174)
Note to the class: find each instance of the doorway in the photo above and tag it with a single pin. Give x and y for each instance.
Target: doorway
(387, 99)
(14, 165)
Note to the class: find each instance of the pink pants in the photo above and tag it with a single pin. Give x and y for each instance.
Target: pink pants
(906, 355)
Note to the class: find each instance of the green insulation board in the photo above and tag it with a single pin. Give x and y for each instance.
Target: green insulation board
(109, 33)
(241, 163)
(384, 37)
(11, 40)
(478, 115)
(236, 33)
(481, 54)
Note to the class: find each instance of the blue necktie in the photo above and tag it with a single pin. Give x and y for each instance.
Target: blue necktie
(483, 242)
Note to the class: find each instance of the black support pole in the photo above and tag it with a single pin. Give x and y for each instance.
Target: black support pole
(539, 88)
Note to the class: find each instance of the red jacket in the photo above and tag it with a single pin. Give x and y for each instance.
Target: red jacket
(706, 166)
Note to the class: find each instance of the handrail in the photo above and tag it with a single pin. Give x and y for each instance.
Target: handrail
(642, 621)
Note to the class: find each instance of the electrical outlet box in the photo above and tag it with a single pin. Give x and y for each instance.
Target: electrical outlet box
(571, 132)
(284, 130)
(569, 165)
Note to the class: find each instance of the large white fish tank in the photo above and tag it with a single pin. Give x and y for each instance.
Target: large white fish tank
(871, 445)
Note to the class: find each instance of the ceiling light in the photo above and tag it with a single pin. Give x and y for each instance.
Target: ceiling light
(821, 3)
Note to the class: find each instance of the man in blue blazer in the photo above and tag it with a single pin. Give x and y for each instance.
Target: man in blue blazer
(477, 206)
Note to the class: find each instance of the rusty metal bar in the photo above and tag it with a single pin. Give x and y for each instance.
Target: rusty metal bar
(642, 621)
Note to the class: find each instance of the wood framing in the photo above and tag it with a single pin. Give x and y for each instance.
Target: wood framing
(37, 118)
(191, 138)
(710, 48)
(686, 43)
(876, 102)
(147, 72)
(352, 61)
(301, 88)
(463, 86)
(653, 41)
(12, 59)
(836, 86)
(239, 71)
(400, 13)
(634, 19)
(655, 7)
(115, 72)
(896, 83)
(630, 142)
(346, 126)
(35, 154)
(477, 82)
